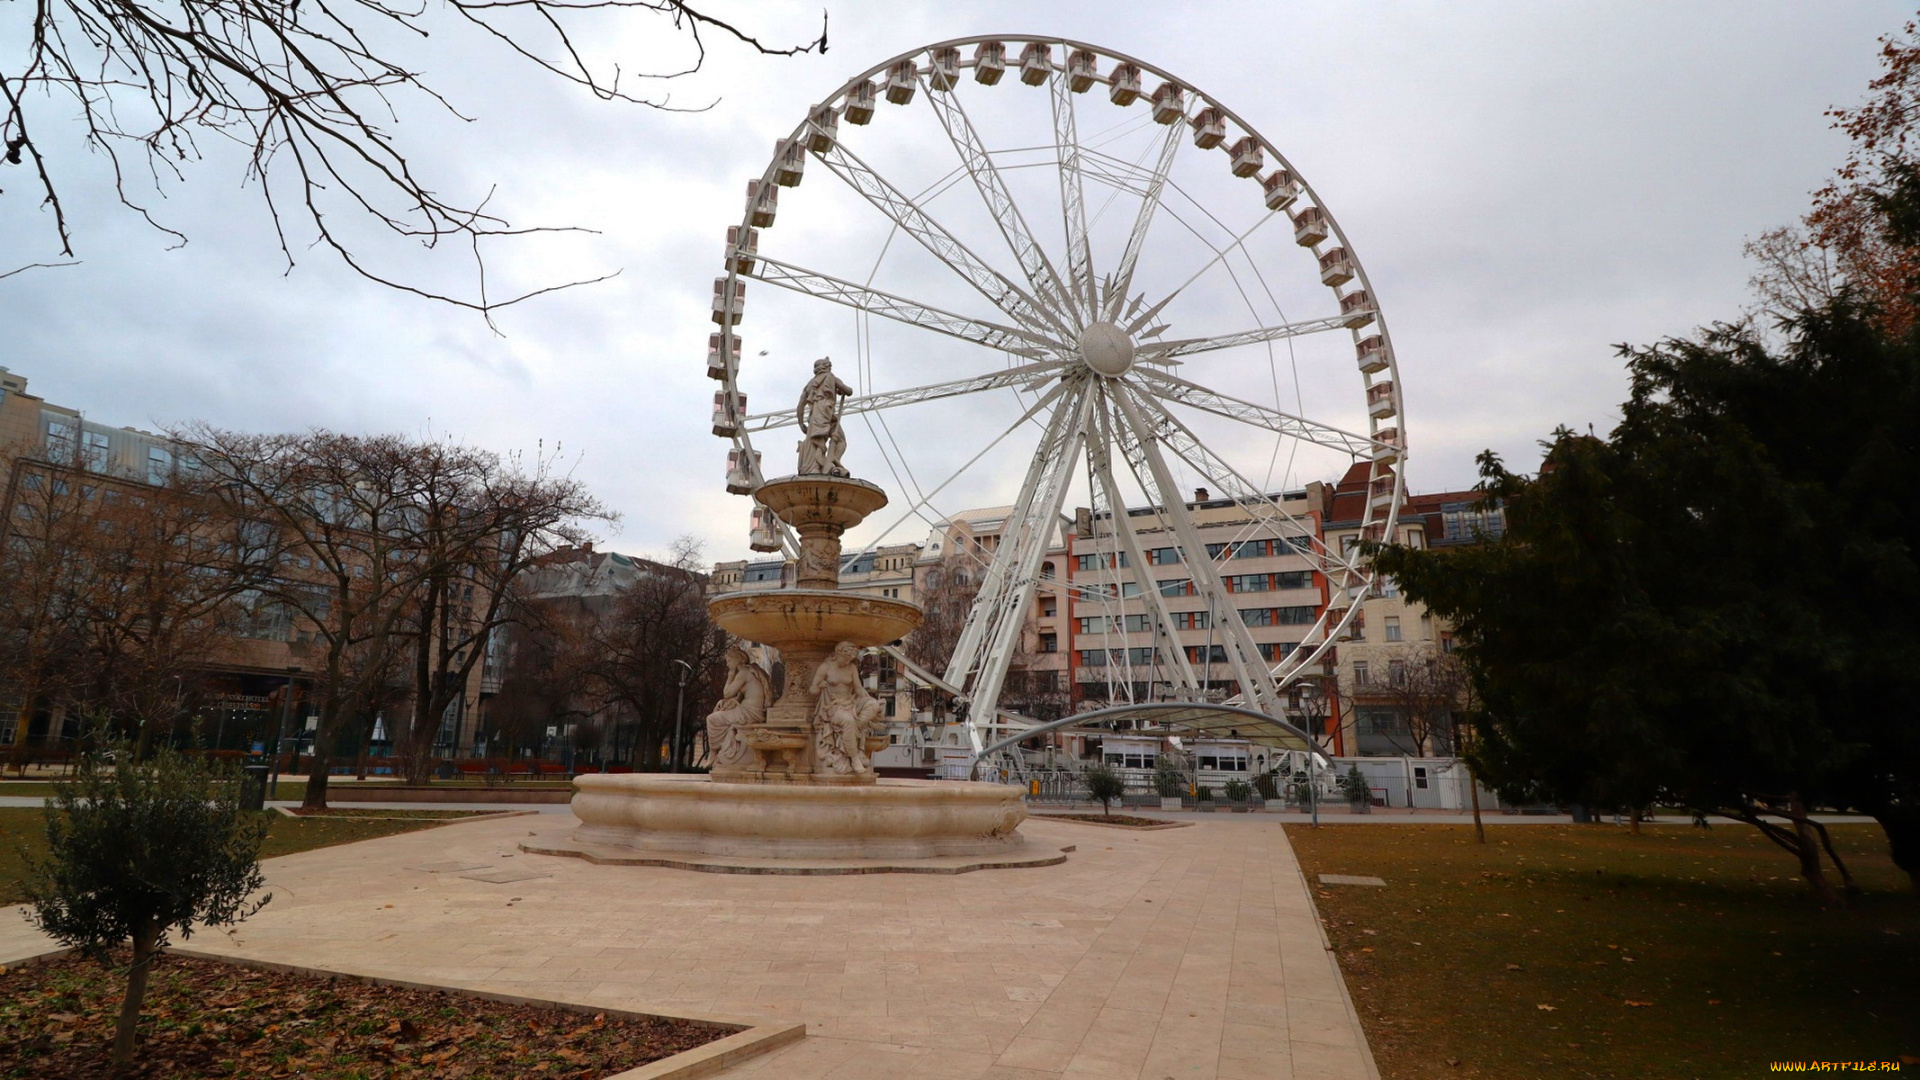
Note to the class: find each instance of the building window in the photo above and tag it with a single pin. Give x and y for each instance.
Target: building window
(1275, 651)
(1177, 587)
(1192, 620)
(1298, 615)
(1393, 628)
(1206, 654)
(1251, 549)
(94, 452)
(1397, 672)
(1093, 658)
(1360, 673)
(62, 439)
(1166, 556)
(159, 465)
(1293, 579)
(1049, 642)
(1257, 616)
(1249, 582)
(1048, 608)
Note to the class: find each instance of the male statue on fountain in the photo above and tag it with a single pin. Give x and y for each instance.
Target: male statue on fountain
(822, 441)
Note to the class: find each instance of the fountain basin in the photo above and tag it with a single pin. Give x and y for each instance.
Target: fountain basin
(893, 819)
(786, 618)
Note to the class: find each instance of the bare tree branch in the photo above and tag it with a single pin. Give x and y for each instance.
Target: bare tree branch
(306, 89)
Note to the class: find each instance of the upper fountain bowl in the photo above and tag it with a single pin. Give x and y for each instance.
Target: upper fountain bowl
(821, 500)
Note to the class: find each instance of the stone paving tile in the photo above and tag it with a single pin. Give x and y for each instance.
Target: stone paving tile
(1192, 953)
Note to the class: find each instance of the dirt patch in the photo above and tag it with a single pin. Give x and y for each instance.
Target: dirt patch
(204, 1018)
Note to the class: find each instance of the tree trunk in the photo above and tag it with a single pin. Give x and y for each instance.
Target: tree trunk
(316, 798)
(1809, 854)
(1473, 790)
(1633, 820)
(143, 955)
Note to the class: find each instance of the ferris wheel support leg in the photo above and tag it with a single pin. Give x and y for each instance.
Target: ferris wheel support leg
(1243, 656)
(1100, 457)
(999, 615)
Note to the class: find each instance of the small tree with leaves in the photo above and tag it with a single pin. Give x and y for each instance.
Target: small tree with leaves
(1105, 784)
(138, 850)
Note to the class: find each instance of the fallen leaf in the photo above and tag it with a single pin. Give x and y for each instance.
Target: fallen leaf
(1713, 1001)
(1547, 1008)
(1637, 1004)
(1514, 967)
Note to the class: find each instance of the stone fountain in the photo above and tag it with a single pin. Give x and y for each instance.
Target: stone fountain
(792, 786)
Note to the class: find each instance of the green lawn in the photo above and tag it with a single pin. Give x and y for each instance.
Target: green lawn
(24, 828)
(1586, 951)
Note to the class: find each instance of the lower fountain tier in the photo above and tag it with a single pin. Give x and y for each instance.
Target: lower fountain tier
(793, 618)
(893, 819)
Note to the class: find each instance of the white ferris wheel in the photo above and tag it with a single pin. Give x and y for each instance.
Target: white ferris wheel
(1091, 273)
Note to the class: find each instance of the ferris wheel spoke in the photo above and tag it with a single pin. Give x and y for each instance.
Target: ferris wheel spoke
(1166, 350)
(1166, 642)
(1243, 655)
(1219, 253)
(925, 501)
(993, 627)
(1173, 388)
(900, 309)
(1039, 319)
(978, 163)
(1015, 376)
(1073, 207)
(1149, 202)
(1179, 438)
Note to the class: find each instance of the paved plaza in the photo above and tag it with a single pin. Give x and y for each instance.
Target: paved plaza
(1184, 953)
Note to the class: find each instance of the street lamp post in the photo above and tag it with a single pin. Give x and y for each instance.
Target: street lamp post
(679, 710)
(280, 733)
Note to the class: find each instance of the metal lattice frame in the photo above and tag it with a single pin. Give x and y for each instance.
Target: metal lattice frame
(1084, 415)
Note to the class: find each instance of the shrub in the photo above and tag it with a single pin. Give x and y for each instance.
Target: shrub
(136, 851)
(1105, 784)
(1168, 781)
(1354, 785)
(1203, 793)
(1268, 785)
(1239, 791)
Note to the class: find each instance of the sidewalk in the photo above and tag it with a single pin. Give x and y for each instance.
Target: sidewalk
(1191, 953)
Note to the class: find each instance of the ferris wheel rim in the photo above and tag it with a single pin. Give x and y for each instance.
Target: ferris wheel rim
(1350, 572)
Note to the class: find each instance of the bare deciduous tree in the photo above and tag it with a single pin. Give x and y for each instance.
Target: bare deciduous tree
(312, 96)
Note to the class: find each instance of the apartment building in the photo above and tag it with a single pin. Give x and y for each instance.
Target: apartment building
(1390, 667)
(1274, 586)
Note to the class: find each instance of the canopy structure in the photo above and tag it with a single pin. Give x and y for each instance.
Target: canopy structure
(1183, 718)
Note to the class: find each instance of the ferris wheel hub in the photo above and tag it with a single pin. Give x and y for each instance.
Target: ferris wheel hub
(1106, 349)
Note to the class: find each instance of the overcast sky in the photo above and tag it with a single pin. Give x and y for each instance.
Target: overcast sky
(1527, 185)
